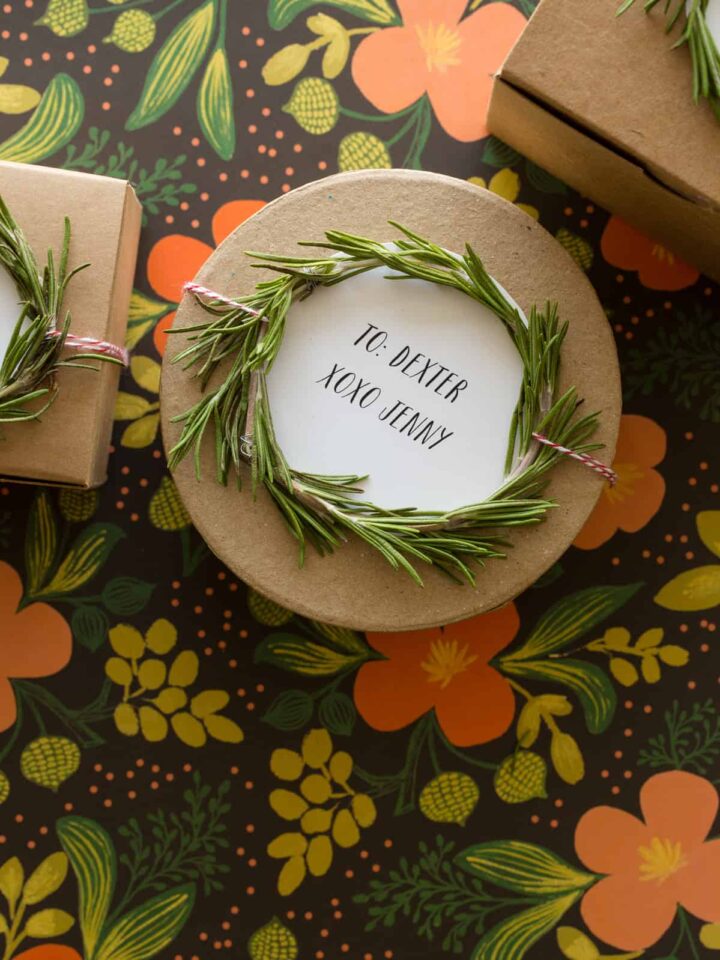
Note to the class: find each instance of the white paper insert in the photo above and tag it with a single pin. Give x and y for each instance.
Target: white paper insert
(411, 383)
(9, 310)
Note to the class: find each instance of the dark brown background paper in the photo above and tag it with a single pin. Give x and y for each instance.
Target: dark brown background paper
(355, 586)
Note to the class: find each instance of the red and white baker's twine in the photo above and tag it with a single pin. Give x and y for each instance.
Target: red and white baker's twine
(92, 345)
(597, 465)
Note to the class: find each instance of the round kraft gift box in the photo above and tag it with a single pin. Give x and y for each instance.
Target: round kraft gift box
(355, 586)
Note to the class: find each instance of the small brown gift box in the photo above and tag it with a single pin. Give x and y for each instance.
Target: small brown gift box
(604, 103)
(69, 445)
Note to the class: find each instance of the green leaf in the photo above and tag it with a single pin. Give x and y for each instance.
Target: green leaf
(54, 123)
(46, 878)
(283, 12)
(215, 105)
(149, 928)
(89, 627)
(512, 938)
(697, 589)
(89, 551)
(337, 713)
(143, 314)
(301, 655)
(589, 684)
(48, 923)
(40, 543)
(499, 154)
(146, 373)
(342, 637)
(570, 618)
(544, 181)
(174, 66)
(523, 868)
(92, 858)
(125, 596)
(292, 710)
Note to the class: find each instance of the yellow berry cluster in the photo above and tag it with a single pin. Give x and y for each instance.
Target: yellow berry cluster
(325, 808)
(157, 697)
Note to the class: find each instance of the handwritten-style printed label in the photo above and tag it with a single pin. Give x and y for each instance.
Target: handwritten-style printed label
(409, 383)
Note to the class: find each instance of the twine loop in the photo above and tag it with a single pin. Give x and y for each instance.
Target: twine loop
(93, 345)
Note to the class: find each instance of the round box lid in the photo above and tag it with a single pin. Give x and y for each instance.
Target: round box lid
(355, 586)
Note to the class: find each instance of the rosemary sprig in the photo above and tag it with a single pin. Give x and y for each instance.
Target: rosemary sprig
(704, 52)
(33, 355)
(325, 510)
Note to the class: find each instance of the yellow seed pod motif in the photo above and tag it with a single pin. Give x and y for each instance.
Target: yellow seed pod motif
(266, 611)
(4, 787)
(273, 942)
(521, 777)
(449, 798)
(167, 511)
(78, 505)
(314, 105)
(133, 31)
(363, 151)
(49, 761)
(65, 17)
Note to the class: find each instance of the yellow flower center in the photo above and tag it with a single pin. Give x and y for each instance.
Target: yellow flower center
(440, 45)
(660, 860)
(628, 475)
(445, 660)
(662, 253)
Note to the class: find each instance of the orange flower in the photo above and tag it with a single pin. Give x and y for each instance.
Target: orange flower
(639, 491)
(49, 951)
(175, 259)
(434, 52)
(653, 866)
(625, 247)
(445, 669)
(36, 641)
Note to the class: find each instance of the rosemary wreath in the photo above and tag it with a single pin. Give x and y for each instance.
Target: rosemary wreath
(696, 34)
(324, 510)
(34, 351)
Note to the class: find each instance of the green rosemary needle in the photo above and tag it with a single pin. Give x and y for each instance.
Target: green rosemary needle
(325, 510)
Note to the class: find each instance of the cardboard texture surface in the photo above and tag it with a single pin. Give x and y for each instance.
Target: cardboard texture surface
(605, 104)
(70, 444)
(355, 586)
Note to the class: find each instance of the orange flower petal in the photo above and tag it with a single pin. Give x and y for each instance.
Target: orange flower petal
(640, 440)
(635, 512)
(160, 337)
(607, 840)
(172, 262)
(698, 887)
(434, 11)
(628, 913)
(389, 69)
(231, 215)
(679, 806)
(488, 633)
(477, 706)
(8, 707)
(599, 526)
(36, 641)
(460, 93)
(390, 694)
(49, 951)
(625, 247)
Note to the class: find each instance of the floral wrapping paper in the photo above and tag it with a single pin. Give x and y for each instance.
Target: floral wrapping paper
(190, 771)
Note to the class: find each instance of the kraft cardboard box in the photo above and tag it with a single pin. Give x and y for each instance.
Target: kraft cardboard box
(604, 103)
(70, 444)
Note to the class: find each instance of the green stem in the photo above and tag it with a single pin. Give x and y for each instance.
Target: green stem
(685, 926)
(168, 8)
(222, 17)
(371, 118)
(114, 7)
(484, 764)
(17, 726)
(411, 122)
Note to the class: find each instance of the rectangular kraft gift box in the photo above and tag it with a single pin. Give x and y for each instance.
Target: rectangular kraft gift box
(70, 444)
(604, 103)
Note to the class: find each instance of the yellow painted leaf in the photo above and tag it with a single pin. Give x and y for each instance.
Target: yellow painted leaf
(697, 589)
(146, 373)
(161, 636)
(567, 758)
(208, 702)
(188, 729)
(286, 764)
(286, 64)
(16, 98)
(130, 407)
(316, 748)
(506, 184)
(673, 655)
(650, 638)
(143, 314)
(708, 525)
(650, 669)
(184, 669)
(4, 64)
(710, 936)
(291, 876)
(319, 855)
(48, 923)
(46, 878)
(624, 672)
(287, 845)
(575, 945)
(88, 553)
(53, 123)
(141, 433)
(12, 877)
(223, 729)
